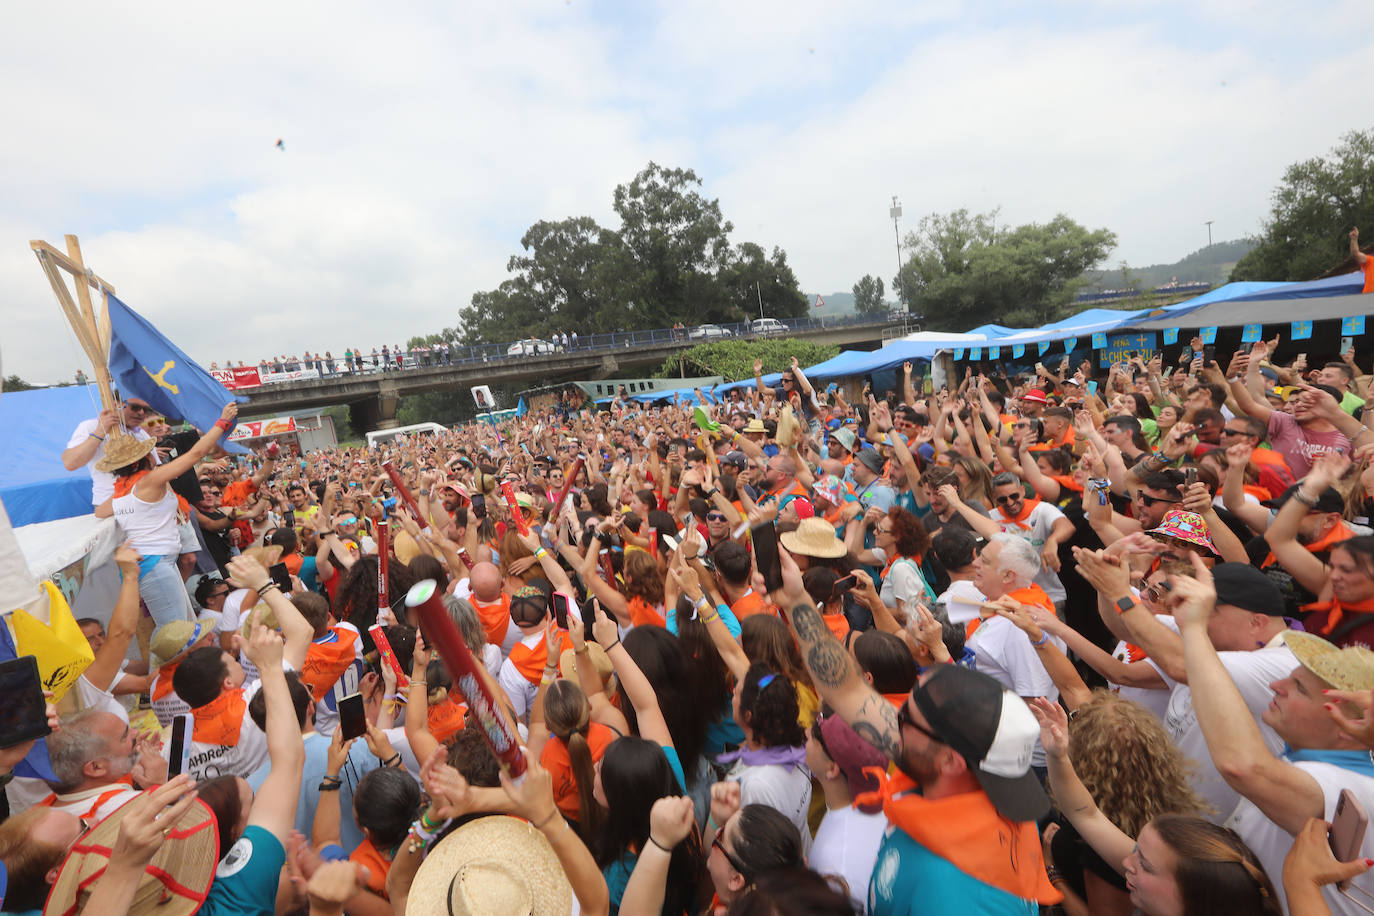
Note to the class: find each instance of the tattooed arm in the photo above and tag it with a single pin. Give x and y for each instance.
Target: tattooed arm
(833, 670)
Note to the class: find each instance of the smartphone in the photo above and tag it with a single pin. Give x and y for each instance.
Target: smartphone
(1190, 475)
(479, 506)
(1188, 355)
(1246, 346)
(1348, 828)
(24, 714)
(844, 584)
(560, 610)
(1347, 343)
(179, 748)
(282, 576)
(289, 518)
(765, 539)
(352, 716)
(1302, 357)
(1209, 354)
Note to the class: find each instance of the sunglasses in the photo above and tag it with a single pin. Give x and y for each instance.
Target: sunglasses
(1153, 592)
(1148, 500)
(138, 408)
(1008, 500)
(735, 863)
(904, 718)
(715, 516)
(1235, 432)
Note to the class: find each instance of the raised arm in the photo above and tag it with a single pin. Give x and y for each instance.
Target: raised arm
(274, 805)
(295, 629)
(163, 474)
(123, 623)
(1282, 535)
(637, 687)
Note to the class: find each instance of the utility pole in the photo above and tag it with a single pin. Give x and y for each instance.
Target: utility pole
(896, 213)
(1209, 233)
(759, 292)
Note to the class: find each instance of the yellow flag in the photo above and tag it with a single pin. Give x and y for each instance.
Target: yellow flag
(60, 646)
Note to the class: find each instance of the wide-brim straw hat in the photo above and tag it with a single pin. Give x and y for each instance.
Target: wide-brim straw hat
(122, 449)
(754, 426)
(787, 425)
(492, 866)
(567, 664)
(175, 883)
(1350, 668)
(814, 537)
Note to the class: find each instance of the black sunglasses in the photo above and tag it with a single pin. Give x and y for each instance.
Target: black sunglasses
(904, 717)
(715, 516)
(1148, 500)
(735, 863)
(139, 408)
(1007, 500)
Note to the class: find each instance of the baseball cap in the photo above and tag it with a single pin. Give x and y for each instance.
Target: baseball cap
(803, 507)
(736, 459)
(993, 730)
(1035, 394)
(1242, 585)
(1329, 500)
(851, 753)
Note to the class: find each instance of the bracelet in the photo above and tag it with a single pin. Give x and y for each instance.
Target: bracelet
(711, 618)
(581, 651)
(1054, 875)
(541, 553)
(330, 786)
(713, 491)
(1044, 638)
(99, 438)
(612, 645)
(393, 760)
(667, 849)
(269, 586)
(542, 824)
(222, 423)
(1308, 501)
(334, 779)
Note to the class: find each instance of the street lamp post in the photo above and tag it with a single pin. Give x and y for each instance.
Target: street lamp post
(896, 213)
(1209, 233)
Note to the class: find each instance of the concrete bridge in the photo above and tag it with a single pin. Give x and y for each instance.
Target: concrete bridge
(595, 357)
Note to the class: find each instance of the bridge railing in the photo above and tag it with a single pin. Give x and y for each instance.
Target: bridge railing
(535, 348)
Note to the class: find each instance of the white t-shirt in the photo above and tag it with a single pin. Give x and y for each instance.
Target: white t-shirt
(91, 698)
(847, 844)
(786, 789)
(517, 687)
(102, 482)
(1005, 654)
(961, 601)
(903, 581)
(1252, 673)
(241, 759)
(1041, 521)
(1155, 699)
(1271, 843)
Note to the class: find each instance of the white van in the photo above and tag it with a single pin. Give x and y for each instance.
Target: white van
(767, 326)
(386, 435)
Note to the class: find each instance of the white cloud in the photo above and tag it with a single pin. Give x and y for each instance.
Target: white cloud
(421, 141)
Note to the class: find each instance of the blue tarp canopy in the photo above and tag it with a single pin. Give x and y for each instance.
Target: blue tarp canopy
(37, 425)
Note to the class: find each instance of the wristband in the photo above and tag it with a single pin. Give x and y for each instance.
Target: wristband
(268, 587)
(1308, 501)
(330, 786)
(223, 424)
(613, 645)
(1124, 604)
(545, 821)
(541, 553)
(393, 760)
(1044, 638)
(667, 849)
(97, 438)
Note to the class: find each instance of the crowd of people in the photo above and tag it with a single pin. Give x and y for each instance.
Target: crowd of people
(1081, 641)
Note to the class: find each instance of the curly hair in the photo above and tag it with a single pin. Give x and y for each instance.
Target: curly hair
(910, 537)
(1111, 737)
(356, 599)
(768, 705)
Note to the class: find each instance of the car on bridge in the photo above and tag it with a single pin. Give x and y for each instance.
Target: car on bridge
(767, 326)
(708, 332)
(530, 346)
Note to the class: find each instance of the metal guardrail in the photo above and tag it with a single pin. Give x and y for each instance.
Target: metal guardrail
(586, 344)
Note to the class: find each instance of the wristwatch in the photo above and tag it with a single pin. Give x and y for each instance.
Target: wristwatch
(1124, 604)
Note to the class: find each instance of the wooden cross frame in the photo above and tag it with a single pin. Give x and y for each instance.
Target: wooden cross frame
(91, 330)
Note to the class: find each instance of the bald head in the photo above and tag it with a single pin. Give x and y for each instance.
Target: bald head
(486, 582)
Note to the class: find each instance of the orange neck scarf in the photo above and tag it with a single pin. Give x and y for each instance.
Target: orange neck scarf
(966, 831)
(163, 684)
(1334, 611)
(1031, 594)
(1019, 520)
(644, 614)
(220, 720)
(445, 719)
(1339, 532)
(325, 662)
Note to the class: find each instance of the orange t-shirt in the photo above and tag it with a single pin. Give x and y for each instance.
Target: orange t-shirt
(749, 604)
(556, 759)
(838, 624)
(377, 866)
(1368, 268)
(236, 494)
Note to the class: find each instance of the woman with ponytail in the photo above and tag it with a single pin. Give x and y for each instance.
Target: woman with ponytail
(574, 746)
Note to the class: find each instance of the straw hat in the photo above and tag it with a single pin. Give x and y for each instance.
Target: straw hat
(787, 426)
(174, 883)
(173, 639)
(122, 449)
(814, 537)
(755, 425)
(567, 663)
(1351, 668)
(492, 866)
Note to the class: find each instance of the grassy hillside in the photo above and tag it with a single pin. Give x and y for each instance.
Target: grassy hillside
(1210, 264)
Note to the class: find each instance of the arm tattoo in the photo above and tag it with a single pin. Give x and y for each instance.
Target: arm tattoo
(829, 663)
(876, 723)
(807, 622)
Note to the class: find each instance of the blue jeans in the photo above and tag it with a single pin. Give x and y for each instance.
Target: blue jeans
(163, 592)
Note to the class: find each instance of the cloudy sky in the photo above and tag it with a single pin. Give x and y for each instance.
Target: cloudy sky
(422, 139)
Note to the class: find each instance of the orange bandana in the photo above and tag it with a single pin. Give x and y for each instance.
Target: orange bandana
(1339, 532)
(1027, 507)
(325, 662)
(220, 720)
(966, 831)
(1031, 594)
(644, 614)
(125, 485)
(162, 684)
(445, 719)
(1334, 611)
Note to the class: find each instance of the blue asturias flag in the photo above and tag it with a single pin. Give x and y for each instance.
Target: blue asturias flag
(146, 365)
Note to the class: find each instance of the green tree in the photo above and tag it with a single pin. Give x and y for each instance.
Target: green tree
(1314, 208)
(964, 270)
(669, 261)
(868, 295)
(734, 359)
(15, 383)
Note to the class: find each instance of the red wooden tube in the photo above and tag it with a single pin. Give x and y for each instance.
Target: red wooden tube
(567, 488)
(403, 492)
(383, 550)
(508, 491)
(443, 636)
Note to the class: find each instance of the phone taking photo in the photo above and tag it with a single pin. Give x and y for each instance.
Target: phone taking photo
(1348, 827)
(282, 576)
(844, 584)
(179, 747)
(352, 716)
(560, 610)
(24, 714)
(765, 540)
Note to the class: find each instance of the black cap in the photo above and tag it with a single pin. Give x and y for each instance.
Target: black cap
(1242, 585)
(736, 459)
(872, 460)
(993, 730)
(1329, 500)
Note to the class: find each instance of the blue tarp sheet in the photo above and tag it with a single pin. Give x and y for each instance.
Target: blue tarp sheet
(34, 429)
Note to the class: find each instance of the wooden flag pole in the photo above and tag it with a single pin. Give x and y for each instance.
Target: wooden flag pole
(91, 330)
